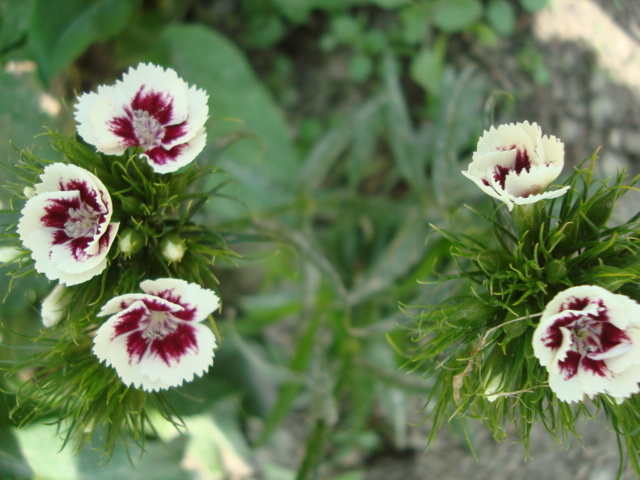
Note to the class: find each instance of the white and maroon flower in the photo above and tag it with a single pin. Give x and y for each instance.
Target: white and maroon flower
(514, 163)
(151, 108)
(67, 224)
(155, 339)
(589, 340)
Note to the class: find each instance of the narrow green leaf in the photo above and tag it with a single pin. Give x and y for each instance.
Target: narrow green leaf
(289, 391)
(403, 252)
(401, 132)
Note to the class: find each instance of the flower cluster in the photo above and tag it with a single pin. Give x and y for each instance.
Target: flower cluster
(154, 340)
(549, 318)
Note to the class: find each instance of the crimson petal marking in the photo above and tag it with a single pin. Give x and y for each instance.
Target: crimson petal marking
(57, 212)
(123, 128)
(176, 344)
(174, 132)
(159, 105)
(137, 346)
(597, 367)
(189, 310)
(88, 195)
(130, 320)
(160, 156)
(569, 366)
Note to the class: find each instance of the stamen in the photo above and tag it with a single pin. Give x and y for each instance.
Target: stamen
(158, 325)
(83, 222)
(148, 129)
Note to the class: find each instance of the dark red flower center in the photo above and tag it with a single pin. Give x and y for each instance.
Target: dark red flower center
(592, 336)
(522, 162)
(155, 330)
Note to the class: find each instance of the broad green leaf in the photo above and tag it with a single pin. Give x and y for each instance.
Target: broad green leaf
(41, 447)
(265, 170)
(501, 17)
(415, 24)
(295, 10)
(21, 119)
(346, 29)
(390, 4)
(534, 6)
(14, 21)
(12, 464)
(61, 33)
(160, 461)
(360, 67)
(427, 67)
(455, 16)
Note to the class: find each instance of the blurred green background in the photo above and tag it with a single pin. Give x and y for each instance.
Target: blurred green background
(342, 126)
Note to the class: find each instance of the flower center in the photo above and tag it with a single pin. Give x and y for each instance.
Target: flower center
(148, 129)
(593, 336)
(82, 222)
(522, 162)
(587, 335)
(158, 325)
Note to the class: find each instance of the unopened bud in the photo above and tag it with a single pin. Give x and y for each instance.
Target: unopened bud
(131, 241)
(9, 254)
(54, 305)
(173, 248)
(29, 192)
(130, 205)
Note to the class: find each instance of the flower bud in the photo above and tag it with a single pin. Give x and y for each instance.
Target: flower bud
(29, 192)
(9, 254)
(131, 241)
(53, 306)
(173, 248)
(130, 205)
(555, 271)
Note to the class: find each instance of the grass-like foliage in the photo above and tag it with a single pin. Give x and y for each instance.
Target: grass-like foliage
(478, 345)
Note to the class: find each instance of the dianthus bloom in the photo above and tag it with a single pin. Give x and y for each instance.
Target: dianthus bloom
(67, 224)
(151, 108)
(155, 340)
(589, 340)
(514, 163)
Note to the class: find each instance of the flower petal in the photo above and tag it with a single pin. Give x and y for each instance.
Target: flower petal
(199, 302)
(167, 161)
